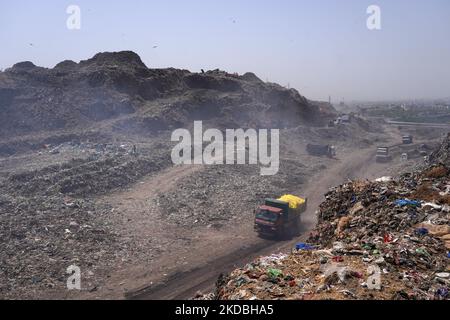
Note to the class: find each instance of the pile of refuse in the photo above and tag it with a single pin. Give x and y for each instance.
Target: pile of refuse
(386, 239)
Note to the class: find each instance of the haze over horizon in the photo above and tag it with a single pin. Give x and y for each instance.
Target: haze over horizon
(321, 48)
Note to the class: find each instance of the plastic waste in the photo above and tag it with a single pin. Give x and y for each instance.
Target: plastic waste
(422, 231)
(406, 202)
(387, 238)
(273, 259)
(304, 246)
(443, 275)
(384, 179)
(274, 273)
(432, 205)
(422, 251)
(338, 258)
(442, 293)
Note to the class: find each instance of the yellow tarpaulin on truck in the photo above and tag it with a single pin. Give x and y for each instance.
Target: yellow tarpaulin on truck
(294, 201)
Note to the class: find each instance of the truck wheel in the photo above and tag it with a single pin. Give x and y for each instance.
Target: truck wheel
(289, 232)
(297, 226)
(280, 235)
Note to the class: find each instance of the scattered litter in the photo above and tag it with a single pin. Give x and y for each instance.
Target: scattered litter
(406, 202)
(304, 246)
(384, 179)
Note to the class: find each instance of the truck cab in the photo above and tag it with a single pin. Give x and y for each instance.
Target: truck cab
(383, 155)
(268, 219)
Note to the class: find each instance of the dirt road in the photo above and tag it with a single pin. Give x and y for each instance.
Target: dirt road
(202, 277)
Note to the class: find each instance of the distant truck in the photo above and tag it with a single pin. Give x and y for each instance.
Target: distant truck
(280, 217)
(321, 150)
(383, 154)
(407, 139)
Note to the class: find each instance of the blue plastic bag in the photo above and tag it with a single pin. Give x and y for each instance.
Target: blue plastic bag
(422, 231)
(405, 202)
(442, 292)
(304, 246)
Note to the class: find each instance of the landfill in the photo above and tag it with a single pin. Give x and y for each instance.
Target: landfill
(64, 190)
(387, 239)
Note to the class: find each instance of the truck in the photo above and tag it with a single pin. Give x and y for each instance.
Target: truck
(321, 150)
(280, 218)
(383, 155)
(407, 139)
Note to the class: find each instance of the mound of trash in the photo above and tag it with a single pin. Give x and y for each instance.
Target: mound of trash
(441, 154)
(119, 86)
(384, 239)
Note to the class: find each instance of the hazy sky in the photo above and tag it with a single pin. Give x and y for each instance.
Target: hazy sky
(319, 47)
